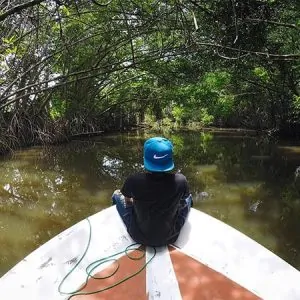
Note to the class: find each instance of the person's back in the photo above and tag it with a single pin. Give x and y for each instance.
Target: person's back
(156, 204)
(157, 201)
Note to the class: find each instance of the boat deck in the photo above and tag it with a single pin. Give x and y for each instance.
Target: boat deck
(210, 260)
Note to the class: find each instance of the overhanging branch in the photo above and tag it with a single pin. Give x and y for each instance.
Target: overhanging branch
(117, 67)
(19, 8)
(289, 25)
(257, 53)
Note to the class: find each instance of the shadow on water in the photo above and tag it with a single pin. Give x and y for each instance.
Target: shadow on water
(247, 182)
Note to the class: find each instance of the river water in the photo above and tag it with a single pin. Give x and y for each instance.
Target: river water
(247, 182)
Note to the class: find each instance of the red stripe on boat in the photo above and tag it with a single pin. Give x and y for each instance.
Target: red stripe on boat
(199, 282)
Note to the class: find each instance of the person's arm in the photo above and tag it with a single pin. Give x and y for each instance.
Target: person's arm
(126, 190)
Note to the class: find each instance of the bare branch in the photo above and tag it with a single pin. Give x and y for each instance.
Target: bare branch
(101, 4)
(289, 25)
(235, 21)
(232, 58)
(258, 53)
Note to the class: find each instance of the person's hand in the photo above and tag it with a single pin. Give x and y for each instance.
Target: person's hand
(128, 201)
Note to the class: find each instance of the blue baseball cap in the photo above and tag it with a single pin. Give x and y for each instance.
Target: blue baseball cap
(158, 155)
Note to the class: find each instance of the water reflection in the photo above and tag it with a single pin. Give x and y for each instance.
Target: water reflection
(247, 182)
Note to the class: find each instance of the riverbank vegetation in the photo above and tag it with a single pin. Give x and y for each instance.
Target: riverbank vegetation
(79, 66)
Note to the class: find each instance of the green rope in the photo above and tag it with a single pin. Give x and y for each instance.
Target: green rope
(91, 267)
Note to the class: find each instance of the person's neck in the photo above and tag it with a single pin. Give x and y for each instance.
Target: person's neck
(157, 174)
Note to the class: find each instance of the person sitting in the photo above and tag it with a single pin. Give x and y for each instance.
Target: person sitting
(154, 204)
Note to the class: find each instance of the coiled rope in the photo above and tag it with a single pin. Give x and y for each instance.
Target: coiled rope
(95, 264)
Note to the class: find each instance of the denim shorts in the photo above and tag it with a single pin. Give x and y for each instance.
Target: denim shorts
(125, 210)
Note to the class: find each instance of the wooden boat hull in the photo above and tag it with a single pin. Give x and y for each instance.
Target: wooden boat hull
(210, 260)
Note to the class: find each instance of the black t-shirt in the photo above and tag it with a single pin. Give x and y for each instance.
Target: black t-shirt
(157, 202)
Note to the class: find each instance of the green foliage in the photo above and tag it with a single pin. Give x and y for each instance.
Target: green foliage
(296, 102)
(205, 141)
(57, 108)
(179, 114)
(9, 46)
(9, 40)
(262, 74)
(216, 81)
(225, 106)
(125, 61)
(205, 118)
(178, 143)
(201, 102)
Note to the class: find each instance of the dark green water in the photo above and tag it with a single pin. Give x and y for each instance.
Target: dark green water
(250, 183)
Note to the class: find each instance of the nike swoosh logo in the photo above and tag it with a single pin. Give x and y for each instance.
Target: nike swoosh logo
(159, 157)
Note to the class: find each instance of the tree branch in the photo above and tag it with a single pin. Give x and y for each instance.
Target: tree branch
(101, 4)
(289, 25)
(204, 9)
(118, 66)
(19, 8)
(258, 53)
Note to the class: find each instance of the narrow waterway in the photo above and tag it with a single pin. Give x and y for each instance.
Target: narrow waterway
(250, 183)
